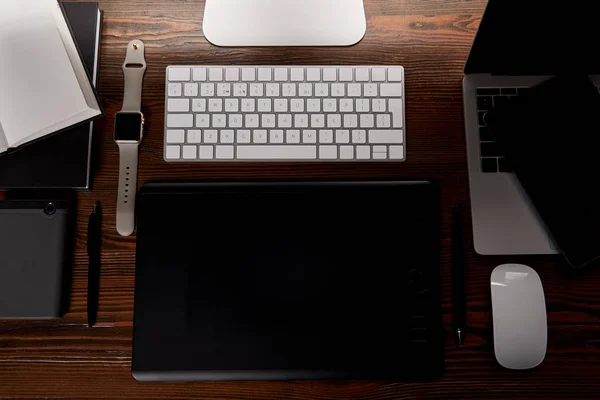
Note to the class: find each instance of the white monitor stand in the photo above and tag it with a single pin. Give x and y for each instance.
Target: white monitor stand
(284, 22)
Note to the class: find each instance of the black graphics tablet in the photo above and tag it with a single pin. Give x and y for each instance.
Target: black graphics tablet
(278, 281)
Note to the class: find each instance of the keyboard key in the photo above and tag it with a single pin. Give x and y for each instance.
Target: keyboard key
(264, 105)
(334, 121)
(367, 121)
(292, 136)
(313, 74)
(285, 120)
(346, 152)
(370, 90)
(276, 136)
(268, 120)
(174, 90)
(383, 121)
(173, 152)
(215, 105)
(236, 120)
(215, 74)
(363, 152)
(252, 121)
(338, 90)
(281, 74)
(180, 120)
(489, 149)
(288, 89)
(350, 121)
(207, 89)
(210, 136)
(277, 152)
(240, 89)
(329, 74)
(327, 152)
(199, 74)
(281, 105)
(248, 105)
(395, 74)
(257, 89)
(386, 136)
(354, 90)
(309, 136)
(321, 89)
(313, 105)
(362, 105)
(305, 89)
(219, 120)
(264, 74)
(485, 135)
(297, 105)
(224, 152)
(232, 105)
(396, 152)
(198, 105)
(178, 105)
(179, 74)
(194, 136)
(202, 120)
(272, 89)
(359, 136)
(378, 74)
(297, 75)
(489, 165)
(175, 136)
(301, 121)
(484, 103)
(329, 105)
(346, 75)
(243, 136)
(488, 91)
(342, 136)
(362, 74)
(248, 74)
(232, 74)
(325, 136)
(379, 156)
(317, 121)
(205, 152)
(260, 136)
(346, 105)
(503, 166)
(224, 89)
(524, 91)
(390, 90)
(379, 105)
(189, 152)
(190, 89)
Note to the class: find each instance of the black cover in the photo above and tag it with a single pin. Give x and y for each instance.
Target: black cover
(536, 37)
(36, 253)
(288, 281)
(550, 140)
(60, 160)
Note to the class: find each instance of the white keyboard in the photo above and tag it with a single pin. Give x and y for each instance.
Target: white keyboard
(284, 113)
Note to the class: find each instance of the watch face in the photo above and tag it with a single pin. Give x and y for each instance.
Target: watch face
(128, 126)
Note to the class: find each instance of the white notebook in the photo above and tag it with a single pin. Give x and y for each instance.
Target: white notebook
(44, 87)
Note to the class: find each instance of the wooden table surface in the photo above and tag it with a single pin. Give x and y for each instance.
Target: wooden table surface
(431, 38)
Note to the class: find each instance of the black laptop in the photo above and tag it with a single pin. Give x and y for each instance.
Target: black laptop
(278, 281)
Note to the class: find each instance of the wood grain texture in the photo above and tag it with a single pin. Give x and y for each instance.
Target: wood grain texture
(64, 359)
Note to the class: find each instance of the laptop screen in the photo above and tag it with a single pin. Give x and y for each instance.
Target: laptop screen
(536, 37)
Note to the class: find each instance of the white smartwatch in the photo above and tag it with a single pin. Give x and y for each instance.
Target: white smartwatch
(129, 129)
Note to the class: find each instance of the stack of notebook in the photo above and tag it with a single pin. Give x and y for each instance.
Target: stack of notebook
(48, 100)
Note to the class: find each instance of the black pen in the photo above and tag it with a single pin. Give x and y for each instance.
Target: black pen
(458, 277)
(94, 240)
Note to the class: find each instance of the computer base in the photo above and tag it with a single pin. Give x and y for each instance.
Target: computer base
(284, 22)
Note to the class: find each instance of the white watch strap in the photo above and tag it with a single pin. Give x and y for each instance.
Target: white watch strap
(134, 69)
(128, 170)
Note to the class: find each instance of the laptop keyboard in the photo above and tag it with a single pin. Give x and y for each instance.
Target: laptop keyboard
(487, 98)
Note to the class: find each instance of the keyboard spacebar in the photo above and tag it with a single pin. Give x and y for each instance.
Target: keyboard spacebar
(271, 152)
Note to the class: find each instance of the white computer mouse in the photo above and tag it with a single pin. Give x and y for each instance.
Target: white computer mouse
(519, 316)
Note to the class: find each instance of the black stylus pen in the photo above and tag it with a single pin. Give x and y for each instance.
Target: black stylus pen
(458, 277)
(94, 240)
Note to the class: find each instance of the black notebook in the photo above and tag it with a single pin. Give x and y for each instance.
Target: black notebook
(63, 160)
